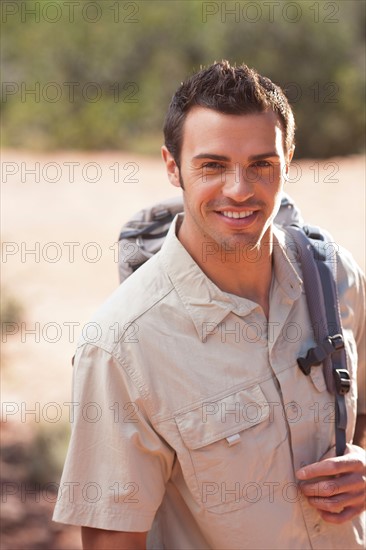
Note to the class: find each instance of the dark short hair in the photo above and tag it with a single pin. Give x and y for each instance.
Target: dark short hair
(230, 90)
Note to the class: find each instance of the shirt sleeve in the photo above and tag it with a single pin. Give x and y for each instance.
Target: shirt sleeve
(360, 337)
(117, 465)
(352, 287)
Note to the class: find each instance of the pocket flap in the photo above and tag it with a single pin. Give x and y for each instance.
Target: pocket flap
(219, 418)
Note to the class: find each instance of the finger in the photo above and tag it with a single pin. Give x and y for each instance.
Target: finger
(333, 486)
(351, 462)
(341, 517)
(338, 503)
(326, 488)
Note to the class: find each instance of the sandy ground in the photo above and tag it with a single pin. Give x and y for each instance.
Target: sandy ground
(59, 296)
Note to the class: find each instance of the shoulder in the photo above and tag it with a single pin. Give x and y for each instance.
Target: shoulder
(127, 305)
(350, 279)
(351, 287)
(349, 272)
(350, 282)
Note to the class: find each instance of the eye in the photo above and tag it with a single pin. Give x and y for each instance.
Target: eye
(213, 165)
(262, 164)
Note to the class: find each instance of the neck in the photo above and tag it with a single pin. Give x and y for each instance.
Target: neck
(245, 275)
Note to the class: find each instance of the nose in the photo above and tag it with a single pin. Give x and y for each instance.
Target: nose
(237, 185)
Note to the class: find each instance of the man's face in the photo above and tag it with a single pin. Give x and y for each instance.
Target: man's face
(233, 169)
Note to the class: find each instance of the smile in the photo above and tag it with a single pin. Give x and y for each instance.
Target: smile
(231, 214)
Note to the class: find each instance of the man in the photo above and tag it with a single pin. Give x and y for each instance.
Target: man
(194, 426)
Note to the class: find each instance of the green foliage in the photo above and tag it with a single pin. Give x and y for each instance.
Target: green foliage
(137, 53)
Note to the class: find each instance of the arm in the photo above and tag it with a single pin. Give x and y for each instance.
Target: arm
(336, 486)
(100, 539)
(130, 460)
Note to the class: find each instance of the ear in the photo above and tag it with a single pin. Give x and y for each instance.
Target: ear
(290, 155)
(171, 167)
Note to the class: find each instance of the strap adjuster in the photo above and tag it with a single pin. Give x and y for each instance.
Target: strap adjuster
(342, 381)
(336, 341)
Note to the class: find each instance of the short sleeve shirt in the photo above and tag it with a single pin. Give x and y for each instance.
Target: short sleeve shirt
(191, 414)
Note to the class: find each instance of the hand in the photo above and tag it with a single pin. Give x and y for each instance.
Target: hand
(340, 494)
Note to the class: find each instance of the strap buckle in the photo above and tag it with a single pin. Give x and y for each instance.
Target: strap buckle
(316, 355)
(305, 363)
(342, 381)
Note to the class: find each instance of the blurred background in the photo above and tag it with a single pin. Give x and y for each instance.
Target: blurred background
(85, 87)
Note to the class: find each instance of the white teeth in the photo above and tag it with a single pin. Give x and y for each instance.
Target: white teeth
(230, 214)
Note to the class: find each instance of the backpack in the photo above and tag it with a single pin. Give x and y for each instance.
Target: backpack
(143, 235)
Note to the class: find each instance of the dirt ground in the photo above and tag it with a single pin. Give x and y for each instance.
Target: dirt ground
(83, 198)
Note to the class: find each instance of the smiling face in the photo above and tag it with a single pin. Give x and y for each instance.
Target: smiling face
(232, 169)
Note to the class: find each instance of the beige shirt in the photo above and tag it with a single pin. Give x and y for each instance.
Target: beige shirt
(191, 413)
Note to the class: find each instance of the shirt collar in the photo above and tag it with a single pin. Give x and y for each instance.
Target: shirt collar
(206, 304)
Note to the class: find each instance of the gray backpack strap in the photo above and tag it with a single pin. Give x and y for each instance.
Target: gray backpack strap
(143, 235)
(288, 213)
(319, 276)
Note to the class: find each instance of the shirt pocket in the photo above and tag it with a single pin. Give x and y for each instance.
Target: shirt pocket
(232, 449)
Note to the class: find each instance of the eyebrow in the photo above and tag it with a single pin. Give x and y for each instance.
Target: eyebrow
(225, 158)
